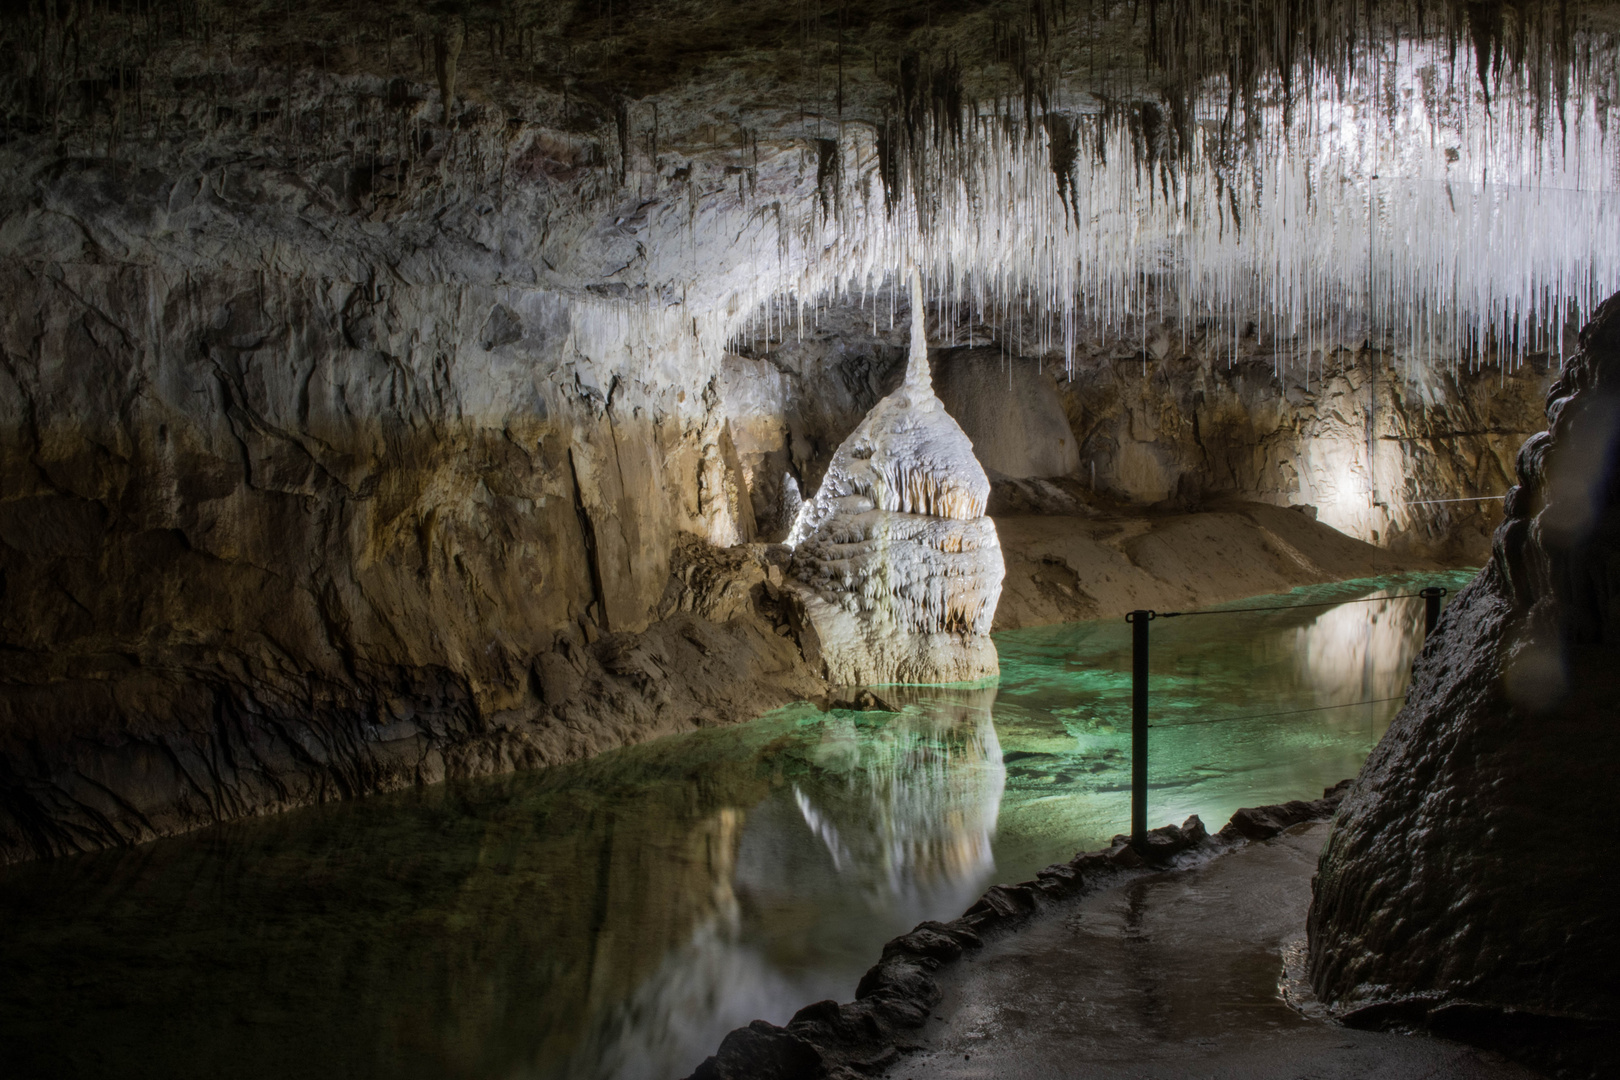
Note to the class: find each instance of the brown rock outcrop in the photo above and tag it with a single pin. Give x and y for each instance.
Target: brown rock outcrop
(1464, 876)
(266, 541)
(1363, 441)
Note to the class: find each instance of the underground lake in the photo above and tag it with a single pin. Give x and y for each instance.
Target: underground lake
(616, 917)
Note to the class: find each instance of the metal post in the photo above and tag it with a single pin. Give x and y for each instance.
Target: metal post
(1431, 608)
(1139, 723)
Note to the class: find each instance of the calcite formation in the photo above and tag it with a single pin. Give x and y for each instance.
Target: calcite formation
(901, 567)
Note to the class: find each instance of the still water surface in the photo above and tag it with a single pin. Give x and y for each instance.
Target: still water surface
(615, 918)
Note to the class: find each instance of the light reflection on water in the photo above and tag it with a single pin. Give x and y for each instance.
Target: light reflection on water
(886, 821)
(617, 917)
(1359, 652)
(907, 809)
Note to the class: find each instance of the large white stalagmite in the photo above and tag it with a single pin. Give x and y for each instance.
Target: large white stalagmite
(899, 566)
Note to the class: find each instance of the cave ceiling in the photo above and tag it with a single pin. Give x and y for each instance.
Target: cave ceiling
(1440, 170)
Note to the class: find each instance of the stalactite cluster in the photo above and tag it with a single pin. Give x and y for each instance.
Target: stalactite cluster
(1435, 177)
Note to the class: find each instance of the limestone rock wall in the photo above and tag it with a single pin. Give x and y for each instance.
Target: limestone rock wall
(1359, 441)
(1464, 878)
(267, 540)
(1010, 409)
(350, 421)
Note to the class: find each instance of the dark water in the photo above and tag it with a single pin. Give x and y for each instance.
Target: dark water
(617, 917)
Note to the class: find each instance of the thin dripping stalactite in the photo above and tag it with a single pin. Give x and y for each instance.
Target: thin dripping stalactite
(1238, 173)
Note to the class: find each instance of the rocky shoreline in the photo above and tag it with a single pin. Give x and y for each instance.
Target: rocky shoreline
(832, 1041)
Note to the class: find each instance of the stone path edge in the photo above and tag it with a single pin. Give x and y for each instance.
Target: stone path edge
(830, 1041)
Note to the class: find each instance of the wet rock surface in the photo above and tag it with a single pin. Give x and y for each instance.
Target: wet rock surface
(1262, 823)
(897, 996)
(178, 735)
(1460, 885)
(345, 440)
(1180, 975)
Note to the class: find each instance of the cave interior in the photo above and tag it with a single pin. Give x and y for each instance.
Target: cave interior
(536, 533)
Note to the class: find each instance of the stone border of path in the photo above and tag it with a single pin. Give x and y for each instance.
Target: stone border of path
(829, 1041)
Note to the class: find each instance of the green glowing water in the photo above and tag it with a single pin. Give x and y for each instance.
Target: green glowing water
(616, 917)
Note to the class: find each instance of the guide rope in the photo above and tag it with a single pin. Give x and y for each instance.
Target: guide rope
(1436, 502)
(1280, 607)
(1142, 617)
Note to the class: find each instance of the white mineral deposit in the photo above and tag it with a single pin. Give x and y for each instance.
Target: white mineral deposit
(901, 566)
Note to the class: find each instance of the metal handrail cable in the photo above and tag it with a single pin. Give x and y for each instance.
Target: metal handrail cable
(1286, 712)
(1281, 607)
(1139, 621)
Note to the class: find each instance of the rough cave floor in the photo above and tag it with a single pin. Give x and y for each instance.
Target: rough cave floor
(1178, 974)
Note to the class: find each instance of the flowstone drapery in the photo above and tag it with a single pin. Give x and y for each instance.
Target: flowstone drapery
(900, 566)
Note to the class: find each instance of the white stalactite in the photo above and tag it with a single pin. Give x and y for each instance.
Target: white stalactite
(1392, 204)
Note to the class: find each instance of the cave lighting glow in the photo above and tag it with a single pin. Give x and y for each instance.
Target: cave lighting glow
(1396, 204)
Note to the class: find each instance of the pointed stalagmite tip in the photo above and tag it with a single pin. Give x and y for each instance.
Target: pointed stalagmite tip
(918, 377)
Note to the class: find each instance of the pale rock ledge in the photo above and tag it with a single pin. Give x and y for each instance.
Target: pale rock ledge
(895, 562)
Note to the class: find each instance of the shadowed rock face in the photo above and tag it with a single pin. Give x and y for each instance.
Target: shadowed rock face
(265, 543)
(1466, 873)
(1010, 410)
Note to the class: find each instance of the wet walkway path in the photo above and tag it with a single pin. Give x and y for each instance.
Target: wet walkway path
(1169, 976)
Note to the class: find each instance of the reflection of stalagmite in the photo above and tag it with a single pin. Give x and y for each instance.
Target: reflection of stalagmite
(902, 567)
(901, 812)
(909, 810)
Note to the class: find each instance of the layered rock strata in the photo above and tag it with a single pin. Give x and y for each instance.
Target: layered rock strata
(174, 736)
(901, 567)
(1462, 878)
